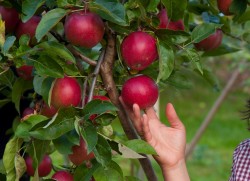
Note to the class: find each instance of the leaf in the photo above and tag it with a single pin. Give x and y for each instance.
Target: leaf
(238, 7)
(82, 173)
(175, 8)
(102, 151)
(131, 178)
(58, 49)
(152, 5)
(97, 107)
(11, 148)
(166, 61)
(46, 66)
(7, 78)
(111, 172)
(8, 44)
(111, 10)
(29, 8)
(203, 31)
(221, 50)
(19, 87)
(244, 17)
(140, 146)
(194, 57)
(89, 134)
(20, 166)
(48, 21)
(24, 127)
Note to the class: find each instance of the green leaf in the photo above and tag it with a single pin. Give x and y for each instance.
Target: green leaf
(48, 21)
(12, 147)
(244, 17)
(166, 61)
(20, 166)
(102, 151)
(238, 7)
(89, 134)
(221, 50)
(97, 107)
(82, 173)
(111, 172)
(19, 87)
(29, 8)
(152, 6)
(203, 31)
(111, 10)
(170, 36)
(194, 57)
(140, 146)
(46, 66)
(52, 48)
(24, 127)
(64, 143)
(8, 44)
(7, 78)
(175, 8)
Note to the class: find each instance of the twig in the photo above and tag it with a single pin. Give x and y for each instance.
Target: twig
(235, 37)
(84, 92)
(107, 77)
(95, 74)
(81, 56)
(59, 37)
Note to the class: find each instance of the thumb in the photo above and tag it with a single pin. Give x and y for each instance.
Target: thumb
(173, 118)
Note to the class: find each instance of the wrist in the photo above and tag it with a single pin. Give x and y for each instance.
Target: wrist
(177, 171)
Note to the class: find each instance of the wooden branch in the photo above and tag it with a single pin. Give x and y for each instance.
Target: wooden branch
(81, 56)
(95, 74)
(107, 77)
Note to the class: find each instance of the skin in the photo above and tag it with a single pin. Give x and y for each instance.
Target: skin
(164, 139)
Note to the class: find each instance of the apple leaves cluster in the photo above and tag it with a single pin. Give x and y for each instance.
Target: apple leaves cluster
(53, 57)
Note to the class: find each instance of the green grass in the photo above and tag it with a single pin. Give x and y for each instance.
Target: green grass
(212, 157)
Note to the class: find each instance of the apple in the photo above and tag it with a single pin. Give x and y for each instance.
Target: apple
(44, 168)
(79, 153)
(11, 18)
(224, 5)
(166, 23)
(27, 111)
(210, 43)
(65, 92)
(84, 29)
(63, 175)
(139, 50)
(25, 72)
(28, 27)
(48, 111)
(141, 90)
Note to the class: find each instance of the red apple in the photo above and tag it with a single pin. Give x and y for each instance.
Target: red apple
(27, 111)
(139, 50)
(65, 92)
(224, 5)
(63, 176)
(48, 111)
(11, 18)
(210, 43)
(141, 90)
(25, 72)
(171, 25)
(84, 29)
(79, 153)
(28, 27)
(44, 168)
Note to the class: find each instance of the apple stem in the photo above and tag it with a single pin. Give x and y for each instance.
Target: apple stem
(110, 86)
(95, 74)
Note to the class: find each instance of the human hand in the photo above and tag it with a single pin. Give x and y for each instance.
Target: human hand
(168, 142)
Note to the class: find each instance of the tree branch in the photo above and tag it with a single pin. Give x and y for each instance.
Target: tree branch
(107, 77)
(81, 56)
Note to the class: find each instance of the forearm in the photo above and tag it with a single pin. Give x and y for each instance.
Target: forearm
(176, 173)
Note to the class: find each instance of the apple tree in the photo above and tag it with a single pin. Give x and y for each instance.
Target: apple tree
(71, 61)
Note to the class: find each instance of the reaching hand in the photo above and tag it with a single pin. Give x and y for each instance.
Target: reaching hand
(168, 142)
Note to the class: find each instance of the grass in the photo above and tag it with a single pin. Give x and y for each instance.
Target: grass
(212, 157)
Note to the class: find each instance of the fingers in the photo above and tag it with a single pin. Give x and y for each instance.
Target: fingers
(151, 113)
(173, 118)
(146, 130)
